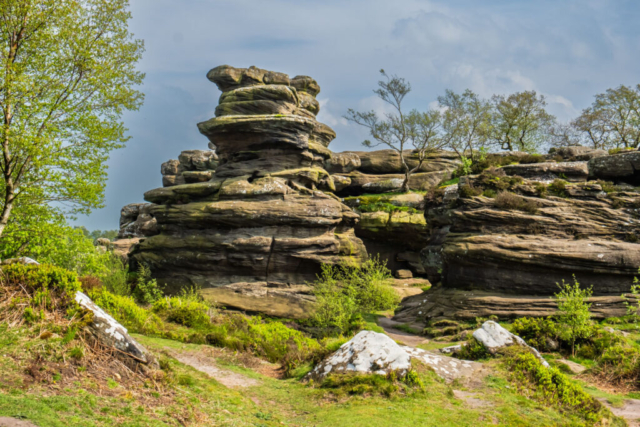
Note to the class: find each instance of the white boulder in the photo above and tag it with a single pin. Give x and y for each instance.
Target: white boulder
(110, 333)
(374, 353)
(494, 337)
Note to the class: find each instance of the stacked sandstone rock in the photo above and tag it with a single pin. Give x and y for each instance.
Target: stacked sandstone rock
(508, 262)
(253, 234)
(191, 166)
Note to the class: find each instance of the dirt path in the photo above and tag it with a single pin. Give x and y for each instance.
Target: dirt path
(207, 364)
(630, 411)
(14, 422)
(406, 338)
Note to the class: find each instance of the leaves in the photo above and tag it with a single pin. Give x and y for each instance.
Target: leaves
(68, 75)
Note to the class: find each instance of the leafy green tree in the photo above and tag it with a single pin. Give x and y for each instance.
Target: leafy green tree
(68, 74)
(400, 130)
(519, 121)
(613, 120)
(573, 312)
(466, 123)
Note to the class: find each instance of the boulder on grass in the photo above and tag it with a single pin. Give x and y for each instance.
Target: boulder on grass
(21, 260)
(494, 337)
(374, 353)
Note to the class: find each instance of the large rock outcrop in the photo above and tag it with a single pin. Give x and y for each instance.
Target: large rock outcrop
(504, 254)
(258, 230)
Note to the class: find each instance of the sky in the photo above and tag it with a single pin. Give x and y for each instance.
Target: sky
(566, 50)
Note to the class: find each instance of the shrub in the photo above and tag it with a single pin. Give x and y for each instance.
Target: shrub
(49, 288)
(146, 290)
(473, 350)
(510, 201)
(125, 310)
(620, 363)
(607, 186)
(633, 306)
(541, 189)
(574, 317)
(558, 187)
(468, 191)
(344, 293)
(532, 158)
(549, 385)
(538, 332)
(186, 309)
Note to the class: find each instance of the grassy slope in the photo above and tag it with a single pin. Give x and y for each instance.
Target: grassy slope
(199, 400)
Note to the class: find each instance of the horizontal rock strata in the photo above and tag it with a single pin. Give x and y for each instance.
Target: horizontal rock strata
(258, 230)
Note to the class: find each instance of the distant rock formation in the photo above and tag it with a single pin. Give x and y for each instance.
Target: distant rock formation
(254, 232)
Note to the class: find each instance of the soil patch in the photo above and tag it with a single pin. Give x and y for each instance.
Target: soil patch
(630, 411)
(207, 364)
(406, 338)
(14, 422)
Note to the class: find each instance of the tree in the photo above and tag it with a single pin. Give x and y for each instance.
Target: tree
(399, 130)
(520, 121)
(574, 312)
(466, 122)
(613, 120)
(68, 74)
(563, 135)
(593, 126)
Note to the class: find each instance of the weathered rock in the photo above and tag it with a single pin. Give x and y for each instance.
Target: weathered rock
(403, 274)
(137, 221)
(574, 367)
(579, 153)
(619, 168)
(255, 231)
(363, 183)
(569, 171)
(102, 241)
(22, 260)
(494, 337)
(382, 162)
(447, 303)
(374, 353)
(112, 334)
(342, 162)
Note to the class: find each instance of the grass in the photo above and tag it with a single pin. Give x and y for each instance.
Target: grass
(197, 400)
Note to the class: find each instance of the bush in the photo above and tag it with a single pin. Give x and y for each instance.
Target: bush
(473, 350)
(510, 201)
(125, 310)
(186, 309)
(558, 187)
(550, 386)
(50, 288)
(146, 289)
(540, 333)
(468, 191)
(345, 293)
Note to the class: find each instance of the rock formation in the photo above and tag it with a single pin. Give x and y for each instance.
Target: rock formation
(253, 234)
(505, 255)
(191, 166)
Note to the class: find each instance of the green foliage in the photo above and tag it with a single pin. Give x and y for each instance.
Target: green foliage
(69, 74)
(550, 386)
(269, 339)
(125, 310)
(465, 166)
(510, 201)
(558, 187)
(97, 234)
(345, 293)
(468, 191)
(633, 306)
(452, 181)
(187, 309)
(473, 350)
(373, 384)
(146, 290)
(520, 121)
(51, 288)
(573, 312)
(540, 333)
(497, 180)
(607, 186)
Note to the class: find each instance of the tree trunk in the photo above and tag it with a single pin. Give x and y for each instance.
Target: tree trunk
(405, 183)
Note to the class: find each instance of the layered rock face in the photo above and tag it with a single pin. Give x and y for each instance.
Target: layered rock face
(372, 172)
(191, 166)
(253, 234)
(504, 254)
